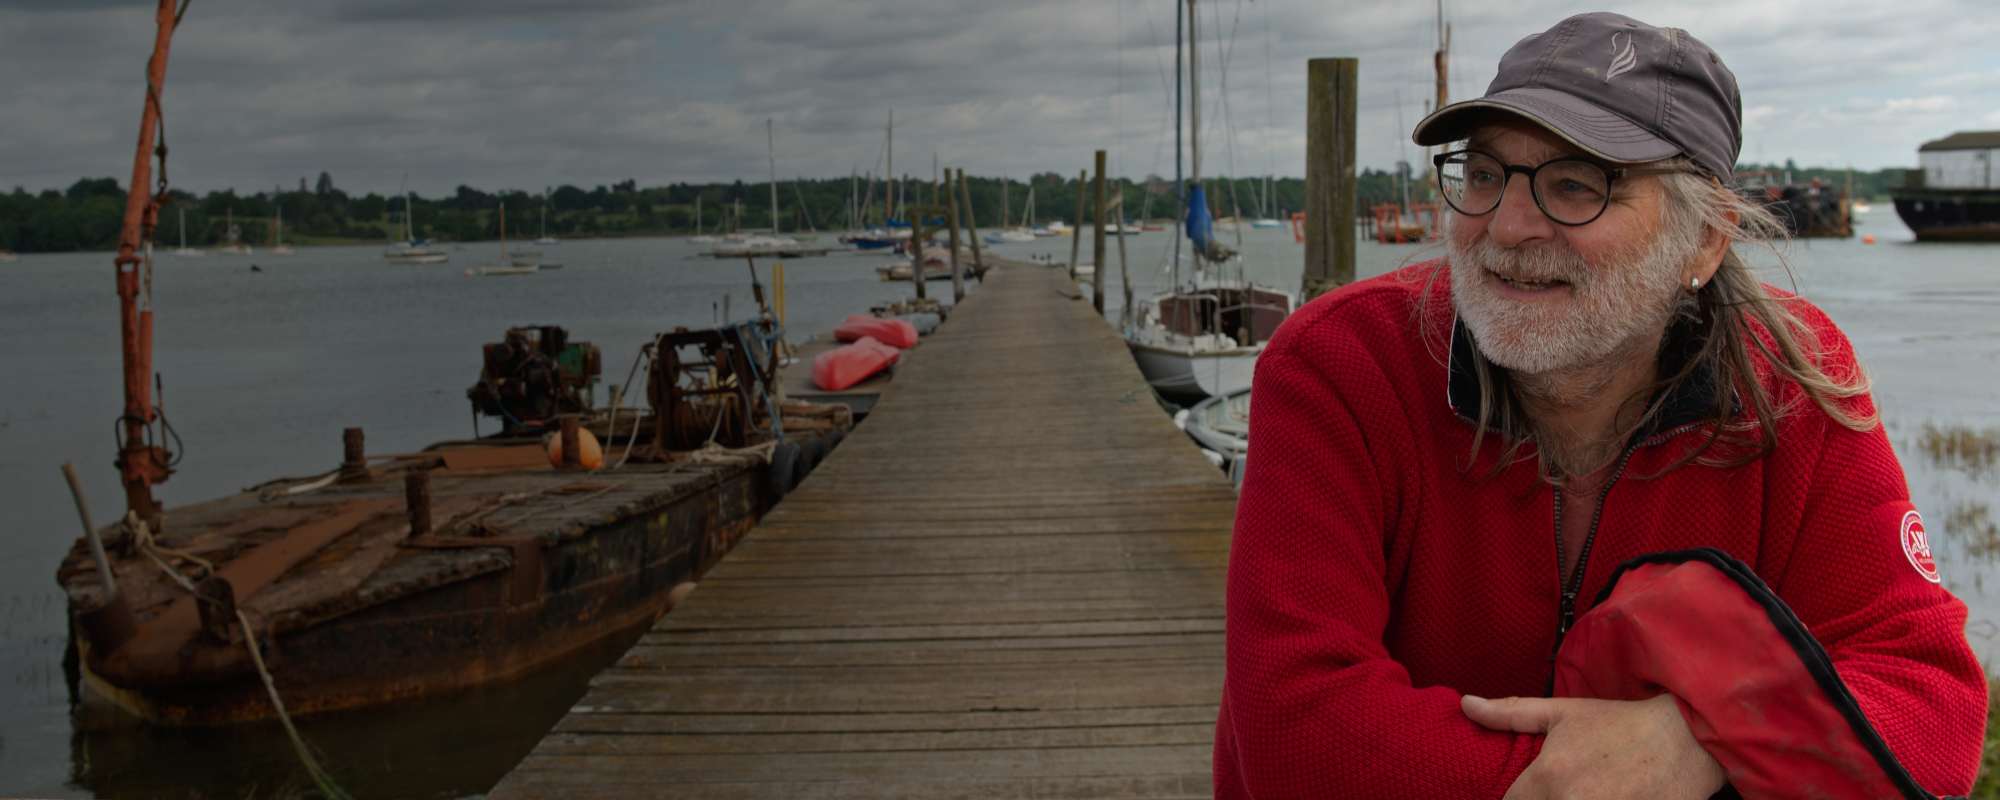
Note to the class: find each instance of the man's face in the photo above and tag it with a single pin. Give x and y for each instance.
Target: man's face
(1540, 296)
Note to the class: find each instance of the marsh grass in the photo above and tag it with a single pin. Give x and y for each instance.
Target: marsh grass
(1959, 447)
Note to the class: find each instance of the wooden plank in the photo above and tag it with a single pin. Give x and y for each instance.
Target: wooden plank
(1007, 583)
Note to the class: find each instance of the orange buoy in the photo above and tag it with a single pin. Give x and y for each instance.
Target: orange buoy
(588, 453)
(1868, 238)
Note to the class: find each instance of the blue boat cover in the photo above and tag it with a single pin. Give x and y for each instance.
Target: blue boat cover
(1200, 229)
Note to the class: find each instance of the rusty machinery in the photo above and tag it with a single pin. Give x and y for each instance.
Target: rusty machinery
(532, 376)
(715, 383)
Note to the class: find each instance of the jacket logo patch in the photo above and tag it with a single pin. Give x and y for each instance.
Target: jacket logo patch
(1917, 546)
(1623, 56)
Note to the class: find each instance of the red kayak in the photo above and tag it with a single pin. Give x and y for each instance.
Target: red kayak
(893, 332)
(842, 367)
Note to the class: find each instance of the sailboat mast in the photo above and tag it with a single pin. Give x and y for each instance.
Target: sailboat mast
(503, 231)
(1194, 95)
(697, 213)
(889, 174)
(771, 153)
(1180, 184)
(1003, 203)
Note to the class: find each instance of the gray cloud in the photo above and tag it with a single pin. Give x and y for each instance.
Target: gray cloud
(516, 93)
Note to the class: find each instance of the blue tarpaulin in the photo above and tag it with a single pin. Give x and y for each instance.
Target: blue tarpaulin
(1200, 229)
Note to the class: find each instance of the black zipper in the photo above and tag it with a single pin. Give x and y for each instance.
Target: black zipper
(1574, 583)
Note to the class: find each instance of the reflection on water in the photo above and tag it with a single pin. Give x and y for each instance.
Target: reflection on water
(443, 747)
(1958, 447)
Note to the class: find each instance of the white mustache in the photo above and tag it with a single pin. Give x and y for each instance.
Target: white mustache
(1543, 264)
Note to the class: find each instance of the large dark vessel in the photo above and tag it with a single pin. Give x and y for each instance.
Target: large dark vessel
(1812, 210)
(1954, 197)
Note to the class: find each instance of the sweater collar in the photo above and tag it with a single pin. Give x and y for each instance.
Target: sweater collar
(1686, 402)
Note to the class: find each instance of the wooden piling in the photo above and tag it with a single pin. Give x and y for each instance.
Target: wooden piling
(1076, 231)
(972, 223)
(1097, 243)
(951, 205)
(354, 460)
(1124, 276)
(916, 246)
(1331, 86)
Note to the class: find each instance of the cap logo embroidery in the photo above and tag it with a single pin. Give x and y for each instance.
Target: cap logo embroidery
(1623, 57)
(1917, 546)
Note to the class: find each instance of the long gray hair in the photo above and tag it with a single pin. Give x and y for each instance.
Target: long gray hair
(1731, 316)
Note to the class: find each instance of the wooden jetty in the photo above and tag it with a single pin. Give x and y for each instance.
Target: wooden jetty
(1007, 583)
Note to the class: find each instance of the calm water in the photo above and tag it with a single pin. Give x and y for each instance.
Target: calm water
(262, 370)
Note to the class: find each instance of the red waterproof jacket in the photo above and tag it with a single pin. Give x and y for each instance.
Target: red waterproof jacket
(1376, 575)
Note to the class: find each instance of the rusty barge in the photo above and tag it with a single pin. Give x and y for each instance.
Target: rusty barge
(467, 563)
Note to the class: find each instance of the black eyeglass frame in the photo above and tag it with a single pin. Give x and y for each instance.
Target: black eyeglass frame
(1611, 177)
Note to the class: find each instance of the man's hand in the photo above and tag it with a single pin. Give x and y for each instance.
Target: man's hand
(1603, 748)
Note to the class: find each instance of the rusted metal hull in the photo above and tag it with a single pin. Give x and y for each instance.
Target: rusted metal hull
(596, 557)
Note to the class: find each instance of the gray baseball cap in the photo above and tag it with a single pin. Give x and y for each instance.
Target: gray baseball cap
(1620, 89)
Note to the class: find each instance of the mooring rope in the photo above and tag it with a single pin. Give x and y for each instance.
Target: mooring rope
(142, 536)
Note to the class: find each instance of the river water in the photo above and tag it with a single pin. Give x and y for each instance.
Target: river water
(263, 369)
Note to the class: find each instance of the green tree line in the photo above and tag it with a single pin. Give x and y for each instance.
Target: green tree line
(87, 215)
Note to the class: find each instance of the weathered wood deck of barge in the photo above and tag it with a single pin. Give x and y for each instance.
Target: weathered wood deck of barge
(1007, 583)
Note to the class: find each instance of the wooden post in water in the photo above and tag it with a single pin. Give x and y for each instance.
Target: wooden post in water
(971, 224)
(1097, 242)
(917, 249)
(951, 205)
(1331, 85)
(1125, 311)
(1076, 231)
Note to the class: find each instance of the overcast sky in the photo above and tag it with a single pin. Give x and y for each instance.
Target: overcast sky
(526, 94)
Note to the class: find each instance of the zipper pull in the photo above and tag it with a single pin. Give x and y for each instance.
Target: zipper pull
(1568, 614)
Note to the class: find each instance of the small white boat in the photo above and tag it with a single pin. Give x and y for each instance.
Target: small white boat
(1858, 207)
(278, 246)
(1010, 236)
(1266, 222)
(1221, 425)
(506, 269)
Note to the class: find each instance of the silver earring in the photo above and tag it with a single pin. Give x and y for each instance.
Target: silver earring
(1694, 284)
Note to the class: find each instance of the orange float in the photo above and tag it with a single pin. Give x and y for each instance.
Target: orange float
(588, 452)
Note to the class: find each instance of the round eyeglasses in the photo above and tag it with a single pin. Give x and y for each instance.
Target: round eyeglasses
(1570, 191)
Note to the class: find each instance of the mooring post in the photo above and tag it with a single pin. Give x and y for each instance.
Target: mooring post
(916, 246)
(1097, 242)
(1076, 231)
(417, 499)
(951, 204)
(571, 457)
(1331, 85)
(971, 225)
(1124, 276)
(354, 462)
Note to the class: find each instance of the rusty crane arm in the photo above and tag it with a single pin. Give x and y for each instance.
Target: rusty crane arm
(140, 462)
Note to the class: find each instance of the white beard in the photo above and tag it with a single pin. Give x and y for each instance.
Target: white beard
(1608, 308)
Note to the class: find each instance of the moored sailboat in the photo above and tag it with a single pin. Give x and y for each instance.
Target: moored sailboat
(1201, 338)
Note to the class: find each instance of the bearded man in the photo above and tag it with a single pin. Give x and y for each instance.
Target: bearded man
(1589, 418)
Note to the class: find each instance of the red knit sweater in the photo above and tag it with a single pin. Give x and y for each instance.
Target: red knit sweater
(1374, 577)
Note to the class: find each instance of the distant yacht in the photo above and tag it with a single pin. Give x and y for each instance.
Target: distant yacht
(545, 237)
(413, 250)
(278, 246)
(183, 251)
(234, 246)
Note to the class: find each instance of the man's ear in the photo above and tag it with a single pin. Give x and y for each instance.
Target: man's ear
(1714, 245)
